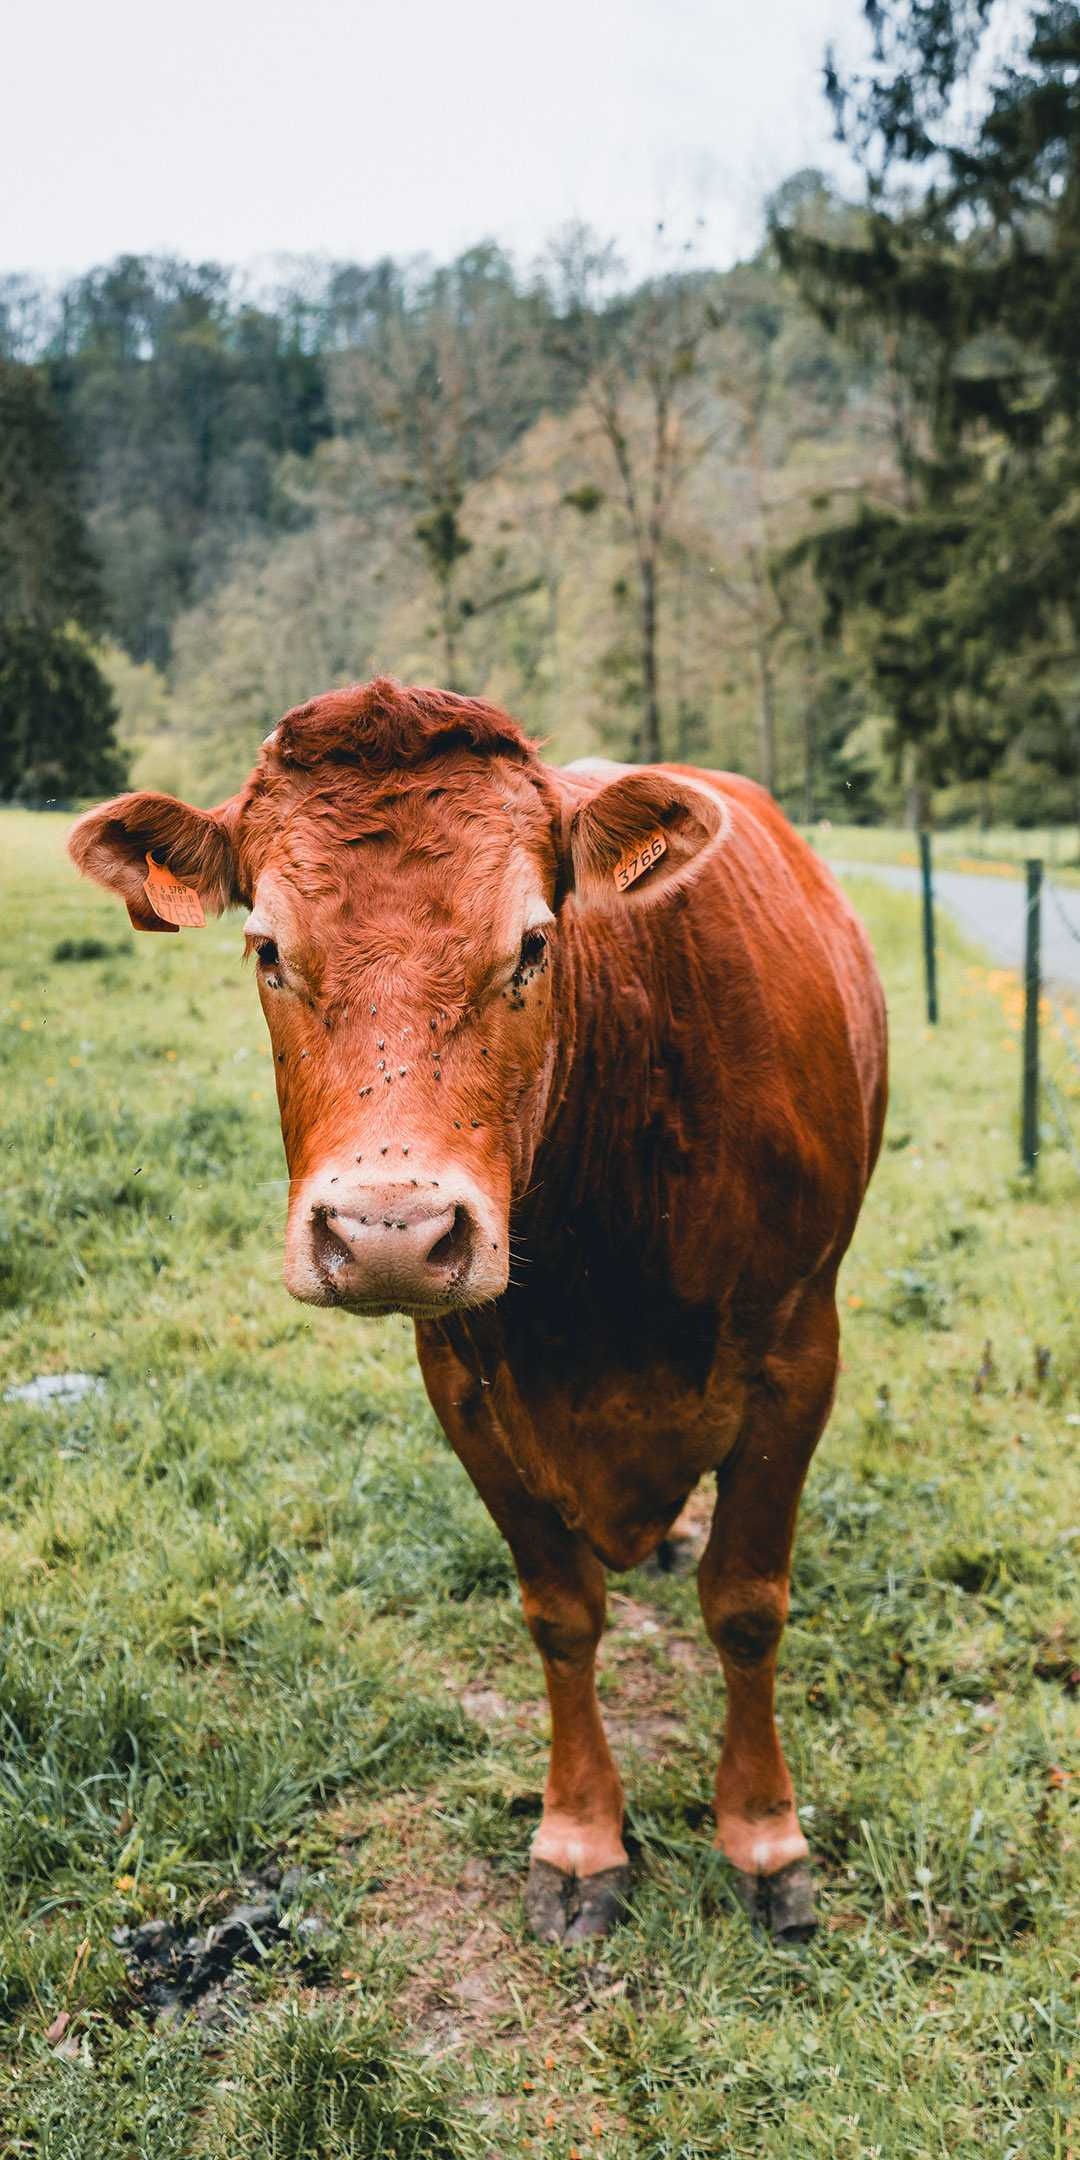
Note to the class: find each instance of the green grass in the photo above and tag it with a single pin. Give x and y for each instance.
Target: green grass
(1000, 849)
(251, 1612)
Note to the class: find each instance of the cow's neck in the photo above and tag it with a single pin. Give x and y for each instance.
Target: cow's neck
(625, 1107)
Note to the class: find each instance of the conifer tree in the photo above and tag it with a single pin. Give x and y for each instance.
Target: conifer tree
(964, 271)
(57, 713)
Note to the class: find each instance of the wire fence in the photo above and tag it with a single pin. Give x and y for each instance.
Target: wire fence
(1050, 1029)
(1056, 896)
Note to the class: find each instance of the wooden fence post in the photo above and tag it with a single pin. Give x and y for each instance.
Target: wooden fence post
(1029, 1099)
(929, 938)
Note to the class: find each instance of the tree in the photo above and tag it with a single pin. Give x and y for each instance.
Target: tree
(443, 381)
(47, 569)
(57, 715)
(57, 718)
(972, 291)
(634, 360)
(181, 397)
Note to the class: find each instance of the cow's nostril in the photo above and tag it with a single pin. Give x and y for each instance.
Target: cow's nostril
(331, 1251)
(388, 1245)
(452, 1248)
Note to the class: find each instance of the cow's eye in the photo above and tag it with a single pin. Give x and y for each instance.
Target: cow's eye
(268, 956)
(533, 948)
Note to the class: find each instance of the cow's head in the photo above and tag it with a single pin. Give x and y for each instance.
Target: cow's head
(404, 857)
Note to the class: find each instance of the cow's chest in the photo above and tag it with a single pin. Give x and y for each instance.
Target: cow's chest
(611, 1416)
(618, 1462)
(610, 1390)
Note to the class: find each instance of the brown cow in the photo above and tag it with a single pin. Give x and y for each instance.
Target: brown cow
(584, 1070)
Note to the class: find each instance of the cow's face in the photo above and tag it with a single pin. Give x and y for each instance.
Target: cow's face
(403, 937)
(404, 923)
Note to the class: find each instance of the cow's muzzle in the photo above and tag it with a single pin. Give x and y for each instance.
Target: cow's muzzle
(391, 1248)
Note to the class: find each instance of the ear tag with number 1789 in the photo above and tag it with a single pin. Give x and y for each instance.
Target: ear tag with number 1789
(634, 865)
(170, 899)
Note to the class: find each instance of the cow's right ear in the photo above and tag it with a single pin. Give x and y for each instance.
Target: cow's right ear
(112, 844)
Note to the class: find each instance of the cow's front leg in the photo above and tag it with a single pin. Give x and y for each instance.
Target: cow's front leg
(743, 1585)
(579, 1875)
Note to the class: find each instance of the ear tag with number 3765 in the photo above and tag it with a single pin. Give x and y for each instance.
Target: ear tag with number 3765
(170, 899)
(632, 866)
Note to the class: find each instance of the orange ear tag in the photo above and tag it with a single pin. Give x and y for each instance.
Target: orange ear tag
(630, 867)
(173, 901)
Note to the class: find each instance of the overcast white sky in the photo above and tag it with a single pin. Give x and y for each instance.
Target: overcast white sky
(240, 128)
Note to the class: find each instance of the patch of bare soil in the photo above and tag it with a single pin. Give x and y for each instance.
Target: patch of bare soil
(649, 1660)
(474, 1982)
(488, 1707)
(463, 1954)
(472, 1978)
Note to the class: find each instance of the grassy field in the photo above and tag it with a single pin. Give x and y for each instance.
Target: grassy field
(254, 1621)
(1000, 850)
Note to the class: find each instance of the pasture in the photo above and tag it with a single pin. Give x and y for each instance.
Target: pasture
(999, 850)
(261, 1643)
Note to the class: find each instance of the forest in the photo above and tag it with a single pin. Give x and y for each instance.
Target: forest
(815, 518)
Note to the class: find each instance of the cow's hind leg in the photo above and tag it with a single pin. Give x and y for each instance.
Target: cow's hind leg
(743, 1585)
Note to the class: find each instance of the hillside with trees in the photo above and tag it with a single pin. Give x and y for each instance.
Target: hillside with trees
(553, 490)
(813, 518)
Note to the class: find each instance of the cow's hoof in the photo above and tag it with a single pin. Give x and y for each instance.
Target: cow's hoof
(601, 1901)
(781, 1905)
(547, 1895)
(574, 1909)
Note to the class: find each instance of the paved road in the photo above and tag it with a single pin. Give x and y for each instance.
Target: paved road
(991, 909)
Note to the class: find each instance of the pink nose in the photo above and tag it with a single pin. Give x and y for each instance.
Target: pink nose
(388, 1245)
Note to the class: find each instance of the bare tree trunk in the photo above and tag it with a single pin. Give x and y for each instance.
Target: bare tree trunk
(809, 761)
(766, 719)
(649, 747)
(448, 616)
(551, 586)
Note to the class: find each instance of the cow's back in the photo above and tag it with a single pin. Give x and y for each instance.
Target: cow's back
(805, 894)
(757, 986)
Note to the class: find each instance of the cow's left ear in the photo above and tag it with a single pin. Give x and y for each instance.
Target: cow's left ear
(193, 847)
(639, 837)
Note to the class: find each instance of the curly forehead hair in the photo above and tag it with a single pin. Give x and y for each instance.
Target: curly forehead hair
(382, 726)
(402, 766)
